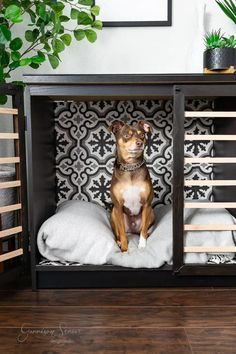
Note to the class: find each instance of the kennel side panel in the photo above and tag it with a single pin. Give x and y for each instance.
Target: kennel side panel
(41, 173)
(225, 149)
(178, 178)
(19, 124)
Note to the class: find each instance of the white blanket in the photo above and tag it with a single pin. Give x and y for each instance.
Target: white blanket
(81, 232)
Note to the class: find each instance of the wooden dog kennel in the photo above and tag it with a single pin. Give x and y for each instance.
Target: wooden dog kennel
(42, 91)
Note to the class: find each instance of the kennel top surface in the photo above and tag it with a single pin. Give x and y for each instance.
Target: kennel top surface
(129, 79)
(126, 86)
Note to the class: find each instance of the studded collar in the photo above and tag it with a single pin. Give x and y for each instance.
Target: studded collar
(129, 167)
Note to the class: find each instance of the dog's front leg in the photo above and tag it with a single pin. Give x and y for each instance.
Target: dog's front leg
(147, 221)
(118, 223)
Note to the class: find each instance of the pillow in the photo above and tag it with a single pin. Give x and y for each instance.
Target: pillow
(81, 232)
(78, 232)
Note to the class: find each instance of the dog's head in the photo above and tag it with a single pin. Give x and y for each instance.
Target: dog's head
(130, 139)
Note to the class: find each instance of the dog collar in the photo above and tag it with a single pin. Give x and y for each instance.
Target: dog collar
(126, 167)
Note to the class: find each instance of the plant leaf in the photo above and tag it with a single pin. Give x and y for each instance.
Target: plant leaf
(58, 46)
(41, 11)
(34, 65)
(15, 64)
(13, 13)
(5, 59)
(37, 59)
(91, 35)
(16, 44)
(15, 56)
(57, 6)
(32, 15)
(227, 9)
(98, 24)
(53, 61)
(74, 14)
(66, 38)
(25, 61)
(5, 34)
(79, 34)
(86, 2)
(84, 18)
(95, 10)
(47, 47)
(64, 18)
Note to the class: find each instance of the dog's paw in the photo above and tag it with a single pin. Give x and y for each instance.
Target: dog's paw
(124, 246)
(142, 242)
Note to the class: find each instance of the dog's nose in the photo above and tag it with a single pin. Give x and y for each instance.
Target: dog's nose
(139, 143)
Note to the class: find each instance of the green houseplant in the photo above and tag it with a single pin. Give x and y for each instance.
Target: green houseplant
(220, 51)
(50, 27)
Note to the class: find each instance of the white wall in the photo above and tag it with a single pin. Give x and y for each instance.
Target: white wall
(175, 49)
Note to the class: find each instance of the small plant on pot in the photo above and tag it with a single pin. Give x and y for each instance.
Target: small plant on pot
(220, 52)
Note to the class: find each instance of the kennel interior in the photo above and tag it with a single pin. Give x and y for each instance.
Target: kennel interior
(71, 155)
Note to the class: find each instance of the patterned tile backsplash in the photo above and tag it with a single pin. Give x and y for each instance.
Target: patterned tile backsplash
(86, 150)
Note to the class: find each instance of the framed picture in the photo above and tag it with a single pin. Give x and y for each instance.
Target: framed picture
(135, 13)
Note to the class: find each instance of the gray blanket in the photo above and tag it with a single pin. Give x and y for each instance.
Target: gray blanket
(81, 232)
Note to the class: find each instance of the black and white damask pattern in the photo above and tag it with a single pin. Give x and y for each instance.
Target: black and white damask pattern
(86, 150)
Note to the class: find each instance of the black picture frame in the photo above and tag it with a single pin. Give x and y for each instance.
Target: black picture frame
(166, 23)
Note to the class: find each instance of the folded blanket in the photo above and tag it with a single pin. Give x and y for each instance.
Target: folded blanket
(80, 232)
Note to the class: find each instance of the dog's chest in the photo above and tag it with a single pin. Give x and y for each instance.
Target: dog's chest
(132, 198)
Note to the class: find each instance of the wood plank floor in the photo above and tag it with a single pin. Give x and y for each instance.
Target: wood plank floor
(170, 320)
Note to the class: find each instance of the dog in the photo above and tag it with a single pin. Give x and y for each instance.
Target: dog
(131, 187)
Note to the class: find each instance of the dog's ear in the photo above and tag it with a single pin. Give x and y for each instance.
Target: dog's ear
(146, 126)
(116, 126)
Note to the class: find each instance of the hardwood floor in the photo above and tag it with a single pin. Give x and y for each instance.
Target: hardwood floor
(190, 320)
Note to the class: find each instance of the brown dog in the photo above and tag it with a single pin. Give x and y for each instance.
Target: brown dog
(131, 186)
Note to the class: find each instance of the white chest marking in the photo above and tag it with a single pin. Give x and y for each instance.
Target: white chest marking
(132, 199)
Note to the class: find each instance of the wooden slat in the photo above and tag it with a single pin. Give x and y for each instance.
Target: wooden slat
(4, 160)
(14, 136)
(212, 205)
(209, 114)
(8, 110)
(8, 208)
(209, 227)
(199, 182)
(210, 249)
(212, 137)
(210, 160)
(10, 184)
(12, 231)
(10, 255)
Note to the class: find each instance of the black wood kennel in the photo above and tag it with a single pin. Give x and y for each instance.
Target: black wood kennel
(42, 91)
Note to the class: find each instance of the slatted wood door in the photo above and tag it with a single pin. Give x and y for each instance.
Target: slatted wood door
(15, 236)
(179, 228)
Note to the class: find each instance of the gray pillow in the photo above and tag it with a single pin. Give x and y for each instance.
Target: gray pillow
(78, 232)
(81, 232)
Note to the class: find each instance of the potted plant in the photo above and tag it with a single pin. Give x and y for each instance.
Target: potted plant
(220, 53)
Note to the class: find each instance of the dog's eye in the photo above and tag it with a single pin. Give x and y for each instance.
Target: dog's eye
(141, 135)
(126, 136)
